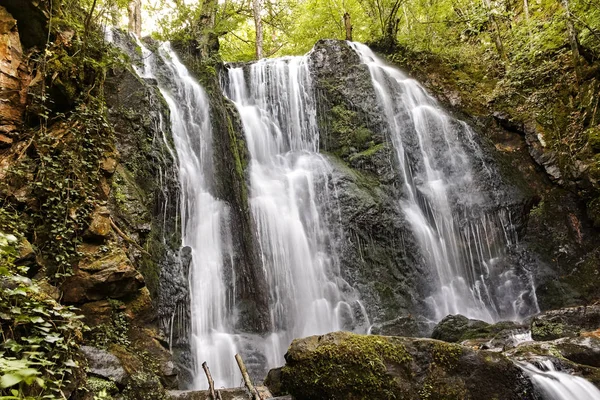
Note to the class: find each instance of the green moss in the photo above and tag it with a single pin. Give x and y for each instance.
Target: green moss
(593, 137)
(347, 130)
(447, 355)
(102, 389)
(356, 367)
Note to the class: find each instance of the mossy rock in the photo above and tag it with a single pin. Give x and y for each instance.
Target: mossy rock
(343, 365)
(457, 328)
(565, 322)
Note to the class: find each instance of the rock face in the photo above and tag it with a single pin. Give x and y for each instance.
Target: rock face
(378, 251)
(565, 322)
(14, 79)
(111, 276)
(346, 366)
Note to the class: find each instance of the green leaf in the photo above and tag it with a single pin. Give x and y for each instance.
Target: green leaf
(8, 380)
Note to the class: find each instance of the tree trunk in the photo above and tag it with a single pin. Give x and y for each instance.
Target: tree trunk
(526, 9)
(348, 25)
(257, 10)
(495, 30)
(134, 9)
(208, 42)
(572, 39)
(392, 21)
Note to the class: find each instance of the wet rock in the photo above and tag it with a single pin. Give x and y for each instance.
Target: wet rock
(457, 328)
(580, 350)
(408, 326)
(565, 322)
(342, 365)
(100, 223)
(273, 381)
(110, 276)
(105, 365)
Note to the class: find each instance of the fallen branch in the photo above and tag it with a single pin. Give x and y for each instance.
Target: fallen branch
(247, 381)
(211, 383)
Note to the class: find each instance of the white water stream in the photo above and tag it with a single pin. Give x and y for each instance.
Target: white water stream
(441, 201)
(290, 191)
(204, 218)
(556, 385)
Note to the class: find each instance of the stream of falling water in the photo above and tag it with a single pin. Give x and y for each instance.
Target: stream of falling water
(290, 190)
(464, 246)
(556, 385)
(204, 217)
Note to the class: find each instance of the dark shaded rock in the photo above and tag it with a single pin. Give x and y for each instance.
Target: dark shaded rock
(31, 19)
(581, 350)
(105, 365)
(408, 326)
(273, 382)
(565, 322)
(342, 365)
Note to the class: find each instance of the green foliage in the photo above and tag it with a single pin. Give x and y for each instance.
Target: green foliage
(114, 332)
(61, 172)
(38, 354)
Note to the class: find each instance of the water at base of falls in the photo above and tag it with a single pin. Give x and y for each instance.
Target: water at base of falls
(556, 385)
(290, 192)
(464, 245)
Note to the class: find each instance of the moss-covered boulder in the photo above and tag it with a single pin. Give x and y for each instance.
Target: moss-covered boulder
(347, 366)
(457, 328)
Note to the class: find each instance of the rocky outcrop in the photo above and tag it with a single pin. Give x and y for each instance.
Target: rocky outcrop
(565, 322)
(346, 366)
(109, 276)
(14, 79)
(379, 254)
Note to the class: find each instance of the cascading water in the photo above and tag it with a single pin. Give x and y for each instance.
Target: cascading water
(204, 217)
(290, 189)
(462, 244)
(556, 385)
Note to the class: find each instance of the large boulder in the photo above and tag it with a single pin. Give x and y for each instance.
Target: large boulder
(104, 365)
(565, 322)
(346, 366)
(458, 328)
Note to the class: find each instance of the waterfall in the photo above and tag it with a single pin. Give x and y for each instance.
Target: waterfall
(291, 195)
(556, 385)
(204, 218)
(463, 244)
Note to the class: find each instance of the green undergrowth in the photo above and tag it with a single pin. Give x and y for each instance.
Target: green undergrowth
(38, 354)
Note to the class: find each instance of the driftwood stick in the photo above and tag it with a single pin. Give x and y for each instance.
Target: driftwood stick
(219, 395)
(247, 381)
(211, 383)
